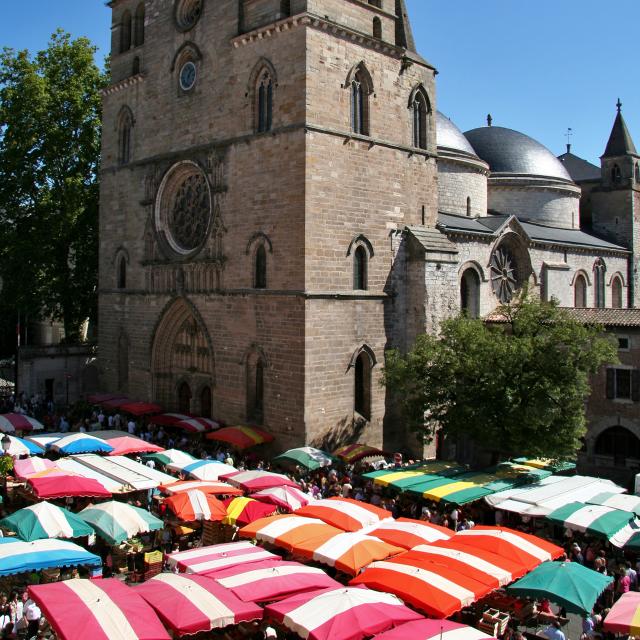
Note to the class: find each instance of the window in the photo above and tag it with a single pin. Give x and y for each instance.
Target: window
(265, 101)
(122, 273)
(285, 8)
(362, 391)
(619, 443)
(188, 75)
(599, 270)
(623, 384)
(125, 32)
(124, 136)
(135, 67)
(377, 28)
(184, 398)
(376, 3)
(637, 172)
(616, 293)
(260, 268)
(255, 389)
(360, 87)
(468, 206)
(138, 31)
(420, 113)
(624, 343)
(580, 292)
(205, 402)
(360, 269)
(616, 174)
(470, 293)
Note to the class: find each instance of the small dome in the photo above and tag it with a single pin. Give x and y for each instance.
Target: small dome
(512, 152)
(450, 137)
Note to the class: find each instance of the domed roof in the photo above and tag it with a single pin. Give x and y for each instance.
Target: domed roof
(449, 136)
(509, 151)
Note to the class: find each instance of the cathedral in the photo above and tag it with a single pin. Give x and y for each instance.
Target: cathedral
(281, 202)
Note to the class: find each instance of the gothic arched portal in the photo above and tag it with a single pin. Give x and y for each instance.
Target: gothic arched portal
(182, 354)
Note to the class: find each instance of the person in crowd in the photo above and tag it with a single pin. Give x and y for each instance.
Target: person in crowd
(554, 631)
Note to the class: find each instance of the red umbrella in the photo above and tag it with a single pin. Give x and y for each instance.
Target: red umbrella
(141, 408)
(59, 486)
(241, 437)
(196, 505)
(114, 403)
(11, 422)
(190, 604)
(189, 423)
(127, 444)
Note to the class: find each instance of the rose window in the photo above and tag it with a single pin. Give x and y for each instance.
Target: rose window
(188, 13)
(183, 208)
(504, 275)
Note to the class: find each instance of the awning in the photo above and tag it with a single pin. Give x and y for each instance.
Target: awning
(408, 533)
(191, 604)
(24, 468)
(287, 498)
(100, 610)
(206, 469)
(143, 469)
(257, 480)
(17, 556)
(555, 466)
(57, 486)
(345, 513)
(433, 630)
(241, 437)
(620, 501)
(600, 521)
(289, 531)
(241, 511)
(45, 520)
(117, 521)
(193, 505)
(12, 422)
(72, 466)
(424, 472)
(206, 486)
(218, 556)
(127, 444)
(192, 424)
(110, 468)
(79, 443)
(353, 453)
(140, 408)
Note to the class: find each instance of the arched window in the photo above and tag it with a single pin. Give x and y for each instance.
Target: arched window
(205, 402)
(616, 174)
(184, 398)
(285, 8)
(619, 443)
(420, 111)
(469, 206)
(260, 268)
(377, 28)
(599, 270)
(616, 293)
(255, 389)
(360, 87)
(360, 268)
(580, 292)
(264, 93)
(470, 293)
(125, 125)
(122, 273)
(362, 388)
(125, 32)
(138, 32)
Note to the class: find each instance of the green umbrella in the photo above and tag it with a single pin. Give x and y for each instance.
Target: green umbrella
(307, 457)
(45, 520)
(568, 584)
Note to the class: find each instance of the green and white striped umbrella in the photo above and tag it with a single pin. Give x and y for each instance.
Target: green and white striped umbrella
(307, 457)
(45, 520)
(597, 520)
(621, 501)
(117, 521)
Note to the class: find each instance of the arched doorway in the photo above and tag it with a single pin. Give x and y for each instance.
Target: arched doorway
(182, 353)
(618, 442)
(184, 398)
(205, 402)
(470, 293)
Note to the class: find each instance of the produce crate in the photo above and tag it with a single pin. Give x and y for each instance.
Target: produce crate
(490, 629)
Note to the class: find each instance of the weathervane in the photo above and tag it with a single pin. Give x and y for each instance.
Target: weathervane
(568, 136)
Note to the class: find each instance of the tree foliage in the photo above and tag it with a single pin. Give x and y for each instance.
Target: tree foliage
(49, 158)
(517, 386)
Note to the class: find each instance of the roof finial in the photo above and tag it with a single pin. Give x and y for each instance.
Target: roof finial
(489, 119)
(568, 136)
(619, 105)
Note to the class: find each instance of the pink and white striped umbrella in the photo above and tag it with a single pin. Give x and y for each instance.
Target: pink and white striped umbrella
(257, 480)
(218, 556)
(273, 580)
(191, 604)
(191, 424)
(345, 613)
(287, 498)
(433, 630)
(12, 422)
(24, 468)
(102, 610)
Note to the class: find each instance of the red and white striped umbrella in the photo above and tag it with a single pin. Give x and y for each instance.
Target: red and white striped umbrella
(100, 610)
(257, 480)
(408, 533)
(433, 630)
(218, 556)
(12, 422)
(287, 498)
(273, 580)
(191, 604)
(340, 614)
(191, 424)
(193, 505)
(211, 487)
(345, 513)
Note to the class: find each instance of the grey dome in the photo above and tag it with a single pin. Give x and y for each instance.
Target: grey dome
(450, 137)
(509, 151)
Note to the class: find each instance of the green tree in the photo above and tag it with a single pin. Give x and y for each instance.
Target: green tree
(517, 386)
(49, 158)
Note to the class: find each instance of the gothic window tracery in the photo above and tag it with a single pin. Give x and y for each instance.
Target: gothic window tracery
(265, 101)
(360, 87)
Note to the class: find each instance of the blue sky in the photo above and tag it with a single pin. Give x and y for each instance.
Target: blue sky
(538, 66)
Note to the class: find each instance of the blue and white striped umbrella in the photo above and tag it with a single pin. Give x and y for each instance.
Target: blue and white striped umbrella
(22, 447)
(80, 443)
(17, 556)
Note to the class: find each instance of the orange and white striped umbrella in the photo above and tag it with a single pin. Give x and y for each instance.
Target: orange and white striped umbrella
(193, 505)
(348, 552)
(345, 513)
(408, 533)
(289, 531)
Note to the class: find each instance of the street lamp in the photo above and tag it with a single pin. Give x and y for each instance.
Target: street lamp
(6, 444)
